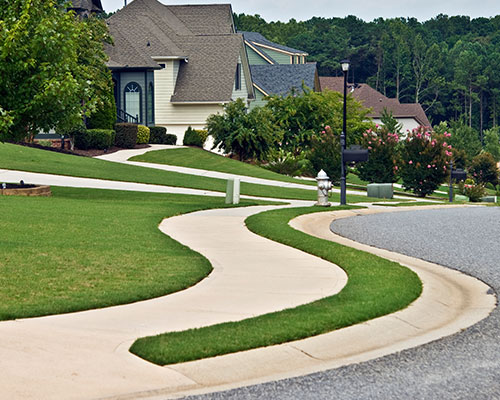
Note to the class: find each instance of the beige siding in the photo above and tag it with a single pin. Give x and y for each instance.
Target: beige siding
(183, 115)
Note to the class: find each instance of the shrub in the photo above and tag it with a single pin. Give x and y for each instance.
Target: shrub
(492, 142)
(44, 143)
(195, 137)
(159, 135)
(474, 191)
(126, 135)
(142, 134)
(490, 186)
(249, 135)
(94, 139)
(425, 156)
(325, 153)
(286, 163)
(104, 117)
(382, 165)
(484, 169)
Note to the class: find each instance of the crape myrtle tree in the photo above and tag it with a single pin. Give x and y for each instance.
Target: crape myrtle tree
(52, 67)
(425, 158)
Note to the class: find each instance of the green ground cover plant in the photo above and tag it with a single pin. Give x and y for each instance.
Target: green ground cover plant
(376, 287)
(202, 159)
(35, 160)
(85, 248)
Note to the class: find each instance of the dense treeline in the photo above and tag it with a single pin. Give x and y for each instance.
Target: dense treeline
(451, 65)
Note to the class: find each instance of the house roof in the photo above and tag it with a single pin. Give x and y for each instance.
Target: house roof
(376, 100)
(202, 36)
(282, 78)
(257, 39)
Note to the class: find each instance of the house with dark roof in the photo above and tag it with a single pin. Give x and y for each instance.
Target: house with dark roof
(174, 65)
(86, 8)
(409, 115)
(277, 69)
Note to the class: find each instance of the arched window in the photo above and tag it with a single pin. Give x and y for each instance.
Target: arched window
(150, 103)
(133, 100)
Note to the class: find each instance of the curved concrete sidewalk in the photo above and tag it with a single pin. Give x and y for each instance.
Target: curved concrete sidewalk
(450, 302)
(85, 355)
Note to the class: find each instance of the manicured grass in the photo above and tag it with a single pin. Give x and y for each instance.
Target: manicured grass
(84, 248)
(193, 157)
(376, 287)
(35, 160)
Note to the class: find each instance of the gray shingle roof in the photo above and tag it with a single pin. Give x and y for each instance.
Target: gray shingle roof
(202, 34)
(257, 38)
(281, 78)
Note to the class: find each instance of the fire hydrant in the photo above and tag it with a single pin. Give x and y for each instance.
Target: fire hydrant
(324, 186)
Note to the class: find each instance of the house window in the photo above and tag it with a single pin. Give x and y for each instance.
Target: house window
(237, 81)
(133, 99)
(150, 103)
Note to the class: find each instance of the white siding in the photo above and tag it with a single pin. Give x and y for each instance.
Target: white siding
(408, 123)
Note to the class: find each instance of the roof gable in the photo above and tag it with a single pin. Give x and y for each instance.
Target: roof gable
(202, 35)
(258, 40)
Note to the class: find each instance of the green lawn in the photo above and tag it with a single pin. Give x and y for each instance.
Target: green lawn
(84, 248)
(193, 157)
(35, 160)
(376, 287)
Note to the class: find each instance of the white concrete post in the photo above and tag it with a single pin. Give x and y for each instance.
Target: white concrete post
(233, 191)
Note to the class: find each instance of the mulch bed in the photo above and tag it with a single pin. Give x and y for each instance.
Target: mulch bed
(78, 152)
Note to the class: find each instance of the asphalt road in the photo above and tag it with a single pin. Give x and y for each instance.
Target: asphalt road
(462, 366)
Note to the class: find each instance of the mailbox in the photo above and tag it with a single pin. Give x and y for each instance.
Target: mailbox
(355, 154)
(458, 174)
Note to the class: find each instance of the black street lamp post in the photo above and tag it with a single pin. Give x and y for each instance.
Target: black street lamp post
(345, 69)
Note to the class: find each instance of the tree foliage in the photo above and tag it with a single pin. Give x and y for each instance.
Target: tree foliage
(52, 69)
(450, 65)
(300, 116)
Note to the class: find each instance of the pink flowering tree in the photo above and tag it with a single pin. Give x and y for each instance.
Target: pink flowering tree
(425, 158)
(383, 162)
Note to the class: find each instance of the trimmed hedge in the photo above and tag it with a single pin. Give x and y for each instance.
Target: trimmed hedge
(142, 134)
(159, 135)
(94, 139)
(126, 135)
(195, 137)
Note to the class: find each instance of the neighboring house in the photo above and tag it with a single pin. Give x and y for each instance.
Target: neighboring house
(174, 66)
(85, 8)
(410, 115)
(277, 69)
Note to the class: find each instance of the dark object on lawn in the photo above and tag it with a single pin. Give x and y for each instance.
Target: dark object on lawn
(457, 175)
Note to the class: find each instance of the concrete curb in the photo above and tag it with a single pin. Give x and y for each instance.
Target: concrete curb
(450, 302)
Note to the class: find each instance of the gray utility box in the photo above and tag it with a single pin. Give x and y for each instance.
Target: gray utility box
(380, 190)
(489, 199)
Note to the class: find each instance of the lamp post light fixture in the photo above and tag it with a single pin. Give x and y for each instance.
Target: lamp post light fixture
(345, 69)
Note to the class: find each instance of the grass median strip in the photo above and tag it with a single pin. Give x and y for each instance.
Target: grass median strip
(376, 287)
(86, 248)
(202, 159)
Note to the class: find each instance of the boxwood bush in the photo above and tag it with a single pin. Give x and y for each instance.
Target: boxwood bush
(94, 139)
(142, 134)
(195, 137)
(159, 135)
(126, 135)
